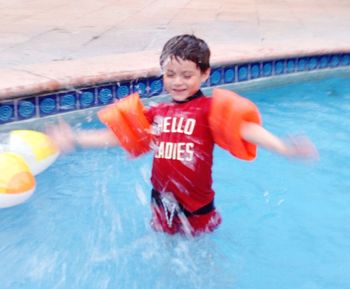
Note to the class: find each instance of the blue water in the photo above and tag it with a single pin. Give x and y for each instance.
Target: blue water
(285, 223)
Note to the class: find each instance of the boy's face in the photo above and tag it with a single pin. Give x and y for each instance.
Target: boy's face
(182, 78)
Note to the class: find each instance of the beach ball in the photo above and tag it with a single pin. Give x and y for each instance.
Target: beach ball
(17, 182)
(35, 147)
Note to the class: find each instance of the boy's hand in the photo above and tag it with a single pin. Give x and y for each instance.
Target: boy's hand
(295, 147)
(301, 147)
(62, 135)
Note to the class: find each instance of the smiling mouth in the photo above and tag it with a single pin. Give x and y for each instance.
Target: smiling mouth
(179, 90)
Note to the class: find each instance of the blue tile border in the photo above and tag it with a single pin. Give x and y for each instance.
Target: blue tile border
(229, 74)
(255, 70)
(48, 105)
(122, 89)
(37, 106)
(67, 101)
(243, 72)
(156, 86)
(302, 64)
(26, 108)
(216, 76)
(86, 97)
(267, 67)
(313, 62)
(323, 61)
(105, 94)
(279, 66)
(345, 59)
(290, 65)
(7, 112)
(141, 86)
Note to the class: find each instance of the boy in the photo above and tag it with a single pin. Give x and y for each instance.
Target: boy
(182, 194)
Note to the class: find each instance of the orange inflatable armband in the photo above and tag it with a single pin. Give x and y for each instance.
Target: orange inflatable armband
(228, 112)
(127, 120)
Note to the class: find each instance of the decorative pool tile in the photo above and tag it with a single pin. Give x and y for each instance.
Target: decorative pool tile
(334, 60)
(243, 72)
(86, 97)
(255, 70)
(155, 86)
(67, 101)
(48, 105)
(279, 66)
(26, 108)
(345, 59)
(229, 74)
(105, 94)
(302, 64)
(324, 61)
(122, 89)
(141, 86)
(215, 76)
(267, 68)
(7, 112)
(313, 62)
(290, 65)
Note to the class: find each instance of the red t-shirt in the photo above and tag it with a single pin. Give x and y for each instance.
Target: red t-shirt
(183, 155)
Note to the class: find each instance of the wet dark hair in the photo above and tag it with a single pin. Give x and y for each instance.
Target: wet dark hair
(187, 47)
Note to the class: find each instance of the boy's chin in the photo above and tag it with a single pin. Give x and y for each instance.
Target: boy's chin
(179, 97)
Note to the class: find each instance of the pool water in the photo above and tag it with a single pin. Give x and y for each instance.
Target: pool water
(285, 223)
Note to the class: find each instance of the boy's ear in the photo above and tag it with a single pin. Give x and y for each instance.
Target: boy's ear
(205, 75)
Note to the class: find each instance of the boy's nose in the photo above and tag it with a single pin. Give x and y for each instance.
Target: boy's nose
(177, 80)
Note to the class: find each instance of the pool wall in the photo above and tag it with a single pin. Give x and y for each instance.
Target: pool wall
(57, 97)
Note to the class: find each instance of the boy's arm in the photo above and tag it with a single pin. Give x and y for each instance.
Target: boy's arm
(67, 139)
(297, 147)
(95, 138)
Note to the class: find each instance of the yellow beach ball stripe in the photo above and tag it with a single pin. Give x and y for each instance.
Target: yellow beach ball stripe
(41, 144)
(15, 176)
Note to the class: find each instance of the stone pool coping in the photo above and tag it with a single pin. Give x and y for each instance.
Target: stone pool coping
(35, 79)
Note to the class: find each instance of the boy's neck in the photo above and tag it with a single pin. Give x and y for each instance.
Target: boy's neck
(198, 94)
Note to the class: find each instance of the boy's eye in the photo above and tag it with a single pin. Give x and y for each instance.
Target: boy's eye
(170, 75)
(187, 76)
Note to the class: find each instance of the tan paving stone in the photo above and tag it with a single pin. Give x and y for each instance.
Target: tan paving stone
(65, 41)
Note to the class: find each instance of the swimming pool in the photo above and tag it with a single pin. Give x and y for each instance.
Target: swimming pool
(285, 224)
